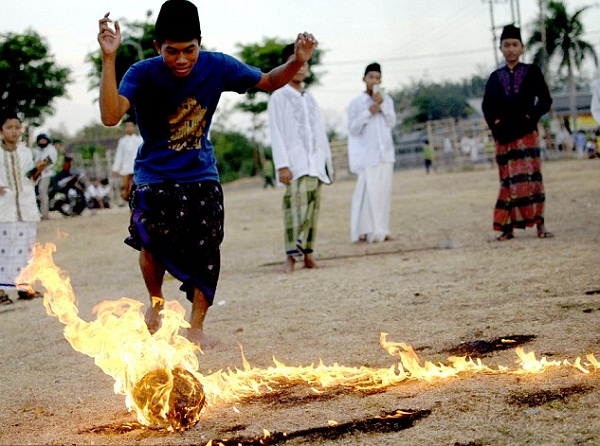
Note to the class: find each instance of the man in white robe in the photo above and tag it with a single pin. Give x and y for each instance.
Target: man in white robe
(371, 156)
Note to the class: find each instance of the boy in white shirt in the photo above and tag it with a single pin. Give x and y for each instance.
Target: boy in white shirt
(302, 158)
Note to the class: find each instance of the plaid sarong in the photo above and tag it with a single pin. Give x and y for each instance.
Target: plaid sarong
(181, 225)
(521, 199)
(301, 203)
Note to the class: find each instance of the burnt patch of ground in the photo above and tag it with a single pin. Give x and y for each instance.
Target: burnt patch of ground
(484, 348)
(384, 423)
(541, 397)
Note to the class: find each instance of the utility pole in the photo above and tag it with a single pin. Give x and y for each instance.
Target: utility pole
(494, 38)
(515, 13)
(544, 43)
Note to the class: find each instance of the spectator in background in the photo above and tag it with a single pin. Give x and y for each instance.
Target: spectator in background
(516, 97)
(302, 159)
(579, 140)
(371, 155)
(125, 154)
(20, 214)
(268, 170)
(428, 150)
(46, 153)
(97, 194)
(61, 153)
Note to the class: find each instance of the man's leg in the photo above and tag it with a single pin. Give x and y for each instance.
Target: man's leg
(200, 307)
(153, 272)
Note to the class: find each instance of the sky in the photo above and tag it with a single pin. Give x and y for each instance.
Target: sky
(435, 40)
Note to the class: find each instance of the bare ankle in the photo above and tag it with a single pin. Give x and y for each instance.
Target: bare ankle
(288, 266)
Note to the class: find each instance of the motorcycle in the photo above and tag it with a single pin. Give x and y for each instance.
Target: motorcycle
(66, 194)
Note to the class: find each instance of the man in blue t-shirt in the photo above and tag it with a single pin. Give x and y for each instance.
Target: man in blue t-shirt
(177, 205)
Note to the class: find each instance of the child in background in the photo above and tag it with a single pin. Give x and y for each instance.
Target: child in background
(20, 214)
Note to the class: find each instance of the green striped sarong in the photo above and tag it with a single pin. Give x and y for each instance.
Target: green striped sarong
(300, 212)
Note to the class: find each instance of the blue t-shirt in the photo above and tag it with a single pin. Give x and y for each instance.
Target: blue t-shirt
(174, 114)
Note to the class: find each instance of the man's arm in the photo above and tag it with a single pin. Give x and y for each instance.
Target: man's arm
(281, 75)
(112, 105)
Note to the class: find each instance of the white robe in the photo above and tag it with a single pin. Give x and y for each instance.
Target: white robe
(19, 213)
(371, 155)
(125, 154)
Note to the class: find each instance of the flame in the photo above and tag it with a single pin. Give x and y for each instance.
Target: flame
(158, 374)
(121, 344)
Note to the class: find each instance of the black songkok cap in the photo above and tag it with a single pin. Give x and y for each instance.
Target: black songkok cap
(177, 21)
(511, 32)
(286, 52)
(373, 67)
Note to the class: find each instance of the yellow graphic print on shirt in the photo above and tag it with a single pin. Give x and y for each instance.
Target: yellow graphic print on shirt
(187, 126)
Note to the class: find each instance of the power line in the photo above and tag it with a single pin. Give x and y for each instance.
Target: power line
(415, 57)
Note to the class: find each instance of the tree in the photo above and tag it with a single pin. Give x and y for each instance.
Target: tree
(137, 43)
(30, 79)
(564, 41)
(424, 101)
(266, 56)
(234, 155)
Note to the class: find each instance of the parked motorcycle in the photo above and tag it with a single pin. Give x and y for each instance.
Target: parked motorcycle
(66, 194)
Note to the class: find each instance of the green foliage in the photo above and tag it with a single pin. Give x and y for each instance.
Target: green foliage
(423, 101)
(30, 79)
(95, 131)
(87, 152)
(266, 56)
(564, 38)
(137, 42)
(235, 155)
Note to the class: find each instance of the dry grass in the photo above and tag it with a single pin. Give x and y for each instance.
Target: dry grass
(443, 282)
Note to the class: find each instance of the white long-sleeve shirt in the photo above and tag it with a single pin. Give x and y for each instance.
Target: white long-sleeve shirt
(298, 136)
(125, 154)
(47, 152)
(370, 135)
(18, 203)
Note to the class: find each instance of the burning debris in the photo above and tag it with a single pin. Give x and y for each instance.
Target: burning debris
(158, 373)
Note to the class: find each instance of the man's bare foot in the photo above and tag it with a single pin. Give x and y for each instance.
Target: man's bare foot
(288, 266)
(309, 262)
(388, 238)
(198, 337)
(153, 318)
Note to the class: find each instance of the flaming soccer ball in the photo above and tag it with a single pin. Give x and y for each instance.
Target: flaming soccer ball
(172, 400)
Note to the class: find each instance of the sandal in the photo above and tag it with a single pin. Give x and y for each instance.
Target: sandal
(542, 233)
(4, 299)
(505, 236)
(28, 294)
(545, 234)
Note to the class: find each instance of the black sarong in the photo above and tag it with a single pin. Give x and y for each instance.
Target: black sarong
(181, 224)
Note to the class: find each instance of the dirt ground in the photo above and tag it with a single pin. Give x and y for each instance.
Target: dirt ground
(444, 282)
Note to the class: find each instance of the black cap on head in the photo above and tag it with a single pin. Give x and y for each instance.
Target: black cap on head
(6, 114)
(177, 21)
(42, 136)
(511, 32)
(373, 67)
(286, 52)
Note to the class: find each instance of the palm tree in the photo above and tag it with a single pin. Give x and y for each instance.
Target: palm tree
(563, 40)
